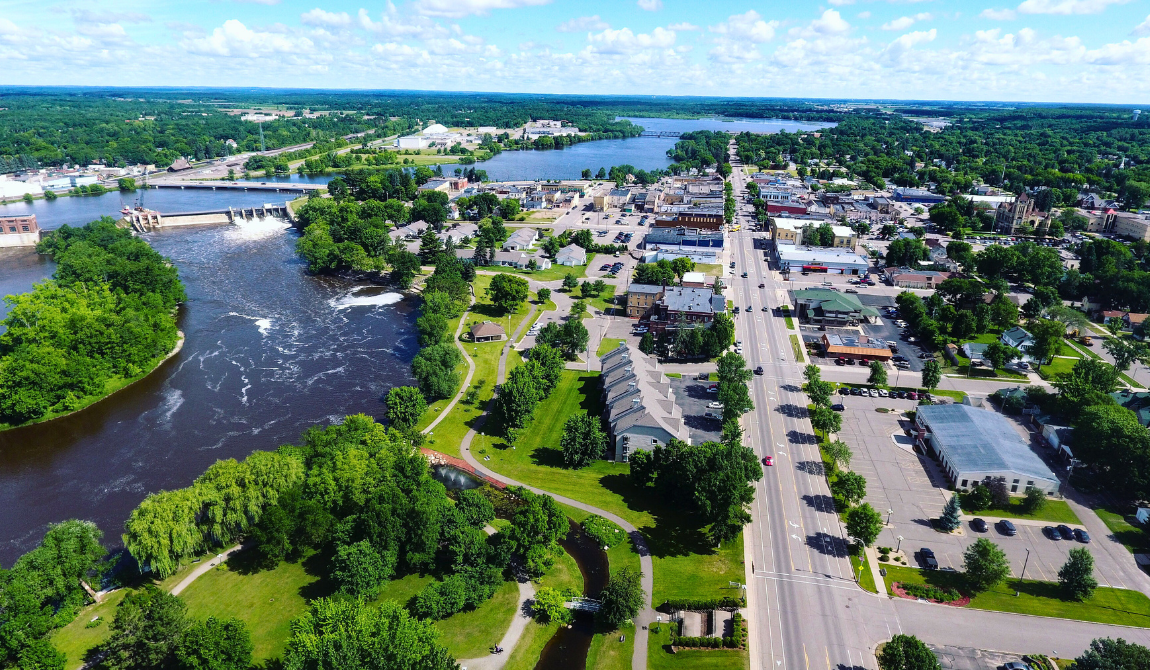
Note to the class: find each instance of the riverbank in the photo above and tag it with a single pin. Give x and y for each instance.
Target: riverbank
(111, 388)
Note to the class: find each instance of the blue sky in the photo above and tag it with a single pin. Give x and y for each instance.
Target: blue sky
(1022, 50)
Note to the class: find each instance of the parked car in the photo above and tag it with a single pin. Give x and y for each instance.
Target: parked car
(844, 391)
(856, 391)
(912, 396)
(1016, 665)
(883, 393)
(1007, 528)
(1065, 531)
(850, 290)
(713, 388)
(873, 393)
(927, 559)
(1052, 533)
(978, 525)
(715, 405)
(1082, 536)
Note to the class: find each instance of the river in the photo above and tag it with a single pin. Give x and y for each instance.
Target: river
(270, 350)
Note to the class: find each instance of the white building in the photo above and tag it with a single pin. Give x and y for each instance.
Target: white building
(11, 188)
(572, 254)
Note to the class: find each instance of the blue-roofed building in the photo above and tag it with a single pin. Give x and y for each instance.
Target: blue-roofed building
(918, 195)
(974, 445)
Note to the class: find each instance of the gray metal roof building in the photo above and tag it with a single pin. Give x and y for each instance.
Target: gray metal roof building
(975, 444)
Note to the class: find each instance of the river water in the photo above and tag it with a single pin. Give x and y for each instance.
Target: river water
(270, 350)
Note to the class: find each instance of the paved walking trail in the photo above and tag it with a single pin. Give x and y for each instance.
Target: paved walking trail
(202, 568)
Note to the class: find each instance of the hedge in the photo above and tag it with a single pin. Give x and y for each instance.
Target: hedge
(724, 603)
(930, 592)
(736, 641)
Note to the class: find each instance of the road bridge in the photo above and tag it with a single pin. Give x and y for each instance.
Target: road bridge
(241, 186)
(660, 133)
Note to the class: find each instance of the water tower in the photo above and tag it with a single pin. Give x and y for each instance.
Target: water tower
(1134, 116)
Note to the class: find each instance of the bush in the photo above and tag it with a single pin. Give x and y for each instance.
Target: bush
(724, 603)
(930, 592)
(605, 532)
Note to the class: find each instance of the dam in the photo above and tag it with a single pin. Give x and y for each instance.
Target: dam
(146, 220)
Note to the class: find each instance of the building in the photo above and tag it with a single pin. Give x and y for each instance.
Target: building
(682, 239)
(831, 308)
(487, 331)
(19, 231)
(858, 348)
(641, 299)
(694, 279)
(796, 208)
(179, 165)
(639, 404)
(1019, 338)
(974, 445)
(1010, 217)
(521, 239)
(685, 307)
(1130, 225)
(918, 195)
(16, 188)
(512, 259)
(908, 278)
(1135, 401)
(706, 219)
(572, 254)
(436, 185)
(820, 259)
(785, 230)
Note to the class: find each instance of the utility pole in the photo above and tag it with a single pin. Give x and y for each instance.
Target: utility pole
(1023, 576)
(262, 148)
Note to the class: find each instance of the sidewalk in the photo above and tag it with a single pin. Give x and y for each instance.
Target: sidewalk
(872, 561)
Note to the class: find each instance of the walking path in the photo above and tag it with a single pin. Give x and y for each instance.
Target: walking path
(646, 615)
(202, 568)
(873, 563)
(514, 632)
(470, 370)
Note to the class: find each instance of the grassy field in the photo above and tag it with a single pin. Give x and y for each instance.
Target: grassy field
(608, 653)
(1108, 605)
(797, 348)
(471, 634)
(550, 274)
(709, 269)
(1135, 539)
(689, 568)
(1057, 365)
(1055, 511)
(866, 580)
(74, 640)
(607, 344)
(605, 301)
(525, 655)
(659, 656)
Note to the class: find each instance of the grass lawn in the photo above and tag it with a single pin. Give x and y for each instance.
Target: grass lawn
(1134, 538)
(1055, 511)
(1108, 605)
(525, 655)
(550, 274)
(1057, 366)
(74, 640)
(608, 653)
(471, 634)
(709, 269)
(867, 579)
(607, 344)
(695, 574)
(659, 656)
(787, 317)
(797, 348)
(605, 301)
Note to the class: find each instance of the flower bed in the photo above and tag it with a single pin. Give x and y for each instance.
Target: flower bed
(931, 593)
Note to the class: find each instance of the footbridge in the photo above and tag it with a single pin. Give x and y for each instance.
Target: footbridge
(583, 605)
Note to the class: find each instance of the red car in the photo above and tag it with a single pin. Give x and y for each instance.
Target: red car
(767, 460)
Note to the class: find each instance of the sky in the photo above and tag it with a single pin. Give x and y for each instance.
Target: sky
(1093, 51)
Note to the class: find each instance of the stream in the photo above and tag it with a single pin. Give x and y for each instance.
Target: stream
(567, 649)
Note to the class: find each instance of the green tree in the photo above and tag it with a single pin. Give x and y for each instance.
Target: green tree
(681, 266)
(999, 354)
(1108, 654)
(126, 183)
(622, 598)
(1034, 501)
(433, 329)
(404, 265)
(812, 373)
(907, 652)
(1076, 576)
(1125, 353)
(949, 521)
(215, 644)
(405, 405)
(931, 374)
(877, 374)
(519, 395)
(434, 368)
(583, 440)
(551, 366)
(543, 294)
(820, 393)
(984, 565)
(979, 499)
(864, 524)
(549, 606)
(839, 453)
(570, 282)
(429, 246)
(647, 343)
(1111, 440)
(826, 420)
(359, 569)
(1048, 336)
(148, 626)
(507, 292)
(535, 531)
(850, 486)
(351, 635)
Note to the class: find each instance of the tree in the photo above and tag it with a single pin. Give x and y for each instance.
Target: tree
(519, 395)
(907, 652)
(999, 494)
(949, 521)
(434, 368)
(1107, 654)
(1111, 440)
(359, 569)
(839, 453)
(433, 329)
(570, 282)
(979, 498)
(549, 606)
(681, 266)
(351, 635)
(877, 374)
(535, 531)
(507, 292)
(864, 524)
(826, 420)
(578, 308)
(812, 373)
(543, 294)
(1076, 576)
(984, 565)
(215, 644)
(551, 366)
(1125, 353)
(1048, 336)
(1034, 500)
(931, 374)
(583, 440)
(429, 246)
(850, 486)
(647, 343)
(146, 630)
(404, 265)
(998, 354)
(622, 598)
(820, 393)
(405, 404)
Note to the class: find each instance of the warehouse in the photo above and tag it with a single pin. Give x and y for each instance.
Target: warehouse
(974, 444)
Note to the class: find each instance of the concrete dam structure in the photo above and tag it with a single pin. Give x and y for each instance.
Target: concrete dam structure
(147, 220)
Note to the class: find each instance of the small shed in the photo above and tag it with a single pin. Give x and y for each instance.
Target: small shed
(487, 331)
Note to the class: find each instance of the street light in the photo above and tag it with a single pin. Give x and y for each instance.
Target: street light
(888, 513)
(899, 544)
(1023, 576)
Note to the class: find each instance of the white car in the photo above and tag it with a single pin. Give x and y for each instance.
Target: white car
(715, 405)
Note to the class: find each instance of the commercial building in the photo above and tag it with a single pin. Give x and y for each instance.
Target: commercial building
(682, 239)
(793, 258)
(796, 208)
(1133, 226)
(641, 299)
(785, 230)
(572, 254)
(707, 219)
(694, 279)
(831, 308)
(917, 195)
(685, 307)
(975, 445)
(639, 404)
(856, 347)
(19, 231)
(908, 278)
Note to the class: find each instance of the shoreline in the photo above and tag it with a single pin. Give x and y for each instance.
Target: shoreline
(175, 350)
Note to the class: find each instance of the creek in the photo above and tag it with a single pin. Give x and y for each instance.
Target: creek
(567, 649)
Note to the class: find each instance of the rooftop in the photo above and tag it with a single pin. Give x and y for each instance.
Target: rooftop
(686, 299)
(820, 256)
(978, 440)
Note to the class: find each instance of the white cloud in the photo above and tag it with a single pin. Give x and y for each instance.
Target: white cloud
(110, 17)
(8, 28)
(830, 23)
(623, 41)
(998, 14)
(1124, 53)
(840, 3)
(749, 27)
(583, 23)
(260, 2)
(683, 27)
(1066, 7)
(904, 22)
(394, 25)
(864, 15)
(459, 8)
(905, 42)
(318, 17)
(235, 39)
(1142, 29)
(102, 30)
(650, 5)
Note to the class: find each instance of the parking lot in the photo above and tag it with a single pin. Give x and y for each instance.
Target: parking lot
(965, 658)
(912, 487)
(693, 399)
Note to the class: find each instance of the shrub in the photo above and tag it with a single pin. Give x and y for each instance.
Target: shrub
(605, 532)
(724, 603)
(930, 592)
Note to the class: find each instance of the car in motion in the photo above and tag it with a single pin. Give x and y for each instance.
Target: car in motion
(759, 370)
(767, 460)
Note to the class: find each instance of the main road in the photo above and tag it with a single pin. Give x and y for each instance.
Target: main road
(806, 610)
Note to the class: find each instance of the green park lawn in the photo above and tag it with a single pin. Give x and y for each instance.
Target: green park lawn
(1054, 511)
(471, 634)
(75, 639)
(659, 656)
(607, 344)
(564, 575)
(687, 567)
(1135, 539)
(605, 301)
(550, 274)
(1057, 365)
(709, 269)
(608, 653)
(1108, 605)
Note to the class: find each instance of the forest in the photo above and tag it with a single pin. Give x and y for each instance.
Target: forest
(106, 316)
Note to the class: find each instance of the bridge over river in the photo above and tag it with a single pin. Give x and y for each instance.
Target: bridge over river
(661, 133)
(240, 186)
